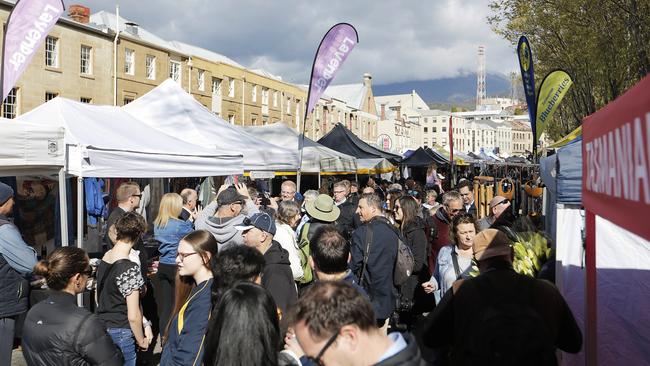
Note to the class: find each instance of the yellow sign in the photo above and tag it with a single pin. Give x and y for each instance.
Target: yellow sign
(553, 89)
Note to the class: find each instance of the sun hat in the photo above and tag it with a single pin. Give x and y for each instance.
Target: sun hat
(323, 208)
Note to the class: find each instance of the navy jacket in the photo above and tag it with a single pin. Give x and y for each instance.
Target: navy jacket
(186, 336)
(378, 275)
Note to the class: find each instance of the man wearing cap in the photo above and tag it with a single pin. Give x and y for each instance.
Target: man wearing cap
(498, 205)
(257, 232)
(17, 259)
(222, 215)
(501, 315)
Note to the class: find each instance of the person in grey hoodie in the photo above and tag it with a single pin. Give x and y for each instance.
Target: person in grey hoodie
(221, 216)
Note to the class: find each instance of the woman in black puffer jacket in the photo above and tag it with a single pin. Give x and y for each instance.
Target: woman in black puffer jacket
(56, 331)
(412, 227)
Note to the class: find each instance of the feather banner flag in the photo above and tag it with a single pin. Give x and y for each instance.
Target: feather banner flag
(525, 56)
(27, 27)
(551, 92)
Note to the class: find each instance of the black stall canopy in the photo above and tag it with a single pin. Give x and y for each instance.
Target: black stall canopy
(343, 140)
(423, 157)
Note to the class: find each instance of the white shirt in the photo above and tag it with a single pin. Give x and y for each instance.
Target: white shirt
(287, 239)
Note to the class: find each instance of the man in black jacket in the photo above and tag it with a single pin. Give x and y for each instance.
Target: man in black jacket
(335, 325)
(374, 256)
(258, 231)
(466, 190)
(348, 219)
(17, 259)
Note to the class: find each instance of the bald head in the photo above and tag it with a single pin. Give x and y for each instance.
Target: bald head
(189, 198)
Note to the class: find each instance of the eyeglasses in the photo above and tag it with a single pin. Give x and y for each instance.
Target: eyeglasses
(503, 202)
(88, 271)
(338, 192)
(285, 192)
(137, 195)
(413, 193)
(317, 360)
(184, 255)
(238, 203)
(454, 211)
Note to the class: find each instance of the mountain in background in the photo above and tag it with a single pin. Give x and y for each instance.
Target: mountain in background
(459, 91)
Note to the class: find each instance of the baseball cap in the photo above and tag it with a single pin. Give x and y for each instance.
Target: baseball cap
(229, 195)
(6, 192)
(497, 200)
(491, 243)
(260, 220)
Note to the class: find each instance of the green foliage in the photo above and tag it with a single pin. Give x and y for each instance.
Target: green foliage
(603, 44)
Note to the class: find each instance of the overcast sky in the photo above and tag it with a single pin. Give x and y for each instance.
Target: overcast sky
(398, 40)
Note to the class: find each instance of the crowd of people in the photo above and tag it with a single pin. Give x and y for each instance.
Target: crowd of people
(379, 273)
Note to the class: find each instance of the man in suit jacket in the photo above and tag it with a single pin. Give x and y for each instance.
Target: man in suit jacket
(189, 204)
(466, 191)
(348, 219)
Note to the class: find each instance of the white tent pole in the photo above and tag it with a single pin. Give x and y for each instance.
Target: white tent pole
(319, 180)
(63, 207)
(298, 180)
(80, 212)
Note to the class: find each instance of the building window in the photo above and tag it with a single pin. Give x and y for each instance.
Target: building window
(254, 93)
(51, 52)
(50, 95)
(434, 140)
(254, 120)
(175, 70)
(231, 87)
(289, 105)
(231, 119)
(434, 129)
(86, 60)
(10, 105)
(201, 79)
(86, 100)
(275, 99)
(265, 96)
(444, 129)
(127, 100)
(444, 142)
(426, 120)
(129, 61)
(151, 67)
(426, 130)
(216, 87)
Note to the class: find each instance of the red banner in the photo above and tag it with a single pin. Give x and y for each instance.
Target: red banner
(616, 161)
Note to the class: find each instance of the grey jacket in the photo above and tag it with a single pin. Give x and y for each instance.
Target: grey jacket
(224, 229)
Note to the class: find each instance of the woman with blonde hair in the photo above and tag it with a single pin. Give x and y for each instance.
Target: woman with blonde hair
(168, 230)
(184, 337)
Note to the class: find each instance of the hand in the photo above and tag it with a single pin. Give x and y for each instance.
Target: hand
(273, 204)
(144, 343)
(291, 344)
(429, 287)
(194, 213)
(242, 189)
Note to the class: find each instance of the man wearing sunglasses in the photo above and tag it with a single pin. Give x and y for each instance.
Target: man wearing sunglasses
(335, 325)
(128, 197)
(222, 215)
(452, 205)
(498, 205)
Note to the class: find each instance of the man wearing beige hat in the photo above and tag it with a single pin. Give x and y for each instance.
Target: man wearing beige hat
(498, 205)
(501, 317)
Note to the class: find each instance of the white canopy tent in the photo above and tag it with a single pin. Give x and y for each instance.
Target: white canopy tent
(170, 109)
(30, 149)
(316, 158)
(105, 141)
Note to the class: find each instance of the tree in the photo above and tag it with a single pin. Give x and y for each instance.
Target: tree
(603, 44)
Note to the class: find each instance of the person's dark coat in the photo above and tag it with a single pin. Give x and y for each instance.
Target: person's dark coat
(378, 275)
(452, 318)
(277, 277)
(416, 239)
(409, 356)
(58, 332)
(442, 223)
(472, 209)
(348, 219)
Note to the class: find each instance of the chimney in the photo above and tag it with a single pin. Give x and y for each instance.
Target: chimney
(132, 28)
(79, 13)
(383, 112)
(367, 80)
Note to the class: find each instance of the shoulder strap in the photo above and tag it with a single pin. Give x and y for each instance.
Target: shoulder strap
(304, 235)
(366, 253)
(454, 259)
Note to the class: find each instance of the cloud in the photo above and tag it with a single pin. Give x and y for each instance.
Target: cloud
(399, 40)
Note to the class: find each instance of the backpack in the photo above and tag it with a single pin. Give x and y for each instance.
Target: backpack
(509, 332)
(304, 252)
(404, 261)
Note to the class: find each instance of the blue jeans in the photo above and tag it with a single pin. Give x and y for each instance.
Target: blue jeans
(123, 339)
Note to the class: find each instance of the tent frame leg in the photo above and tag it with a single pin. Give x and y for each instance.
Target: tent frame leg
(63, 207)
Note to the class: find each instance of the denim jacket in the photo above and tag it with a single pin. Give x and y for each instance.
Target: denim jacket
(445, 274)
(169, 236)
